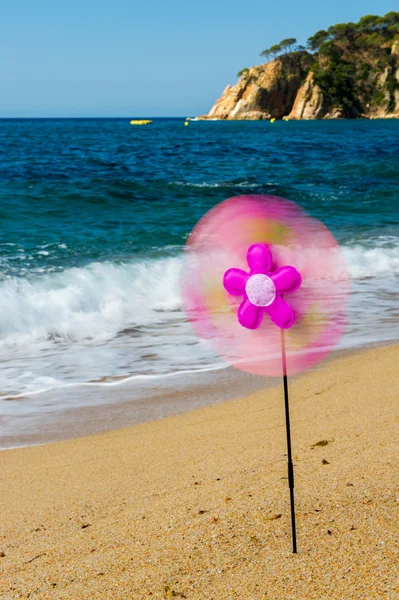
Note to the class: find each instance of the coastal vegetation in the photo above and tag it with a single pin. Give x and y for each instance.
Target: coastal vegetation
(349, 70)
(349, 57)
(284, 46)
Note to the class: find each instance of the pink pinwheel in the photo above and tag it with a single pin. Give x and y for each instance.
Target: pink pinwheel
(262, 290)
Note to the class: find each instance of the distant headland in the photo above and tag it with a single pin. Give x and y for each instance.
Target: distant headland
(350, 70)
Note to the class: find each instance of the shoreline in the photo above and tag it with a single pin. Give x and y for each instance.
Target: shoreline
(196, 505)
(390, 117)
(154, 403)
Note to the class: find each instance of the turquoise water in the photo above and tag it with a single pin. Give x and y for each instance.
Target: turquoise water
(94, 215)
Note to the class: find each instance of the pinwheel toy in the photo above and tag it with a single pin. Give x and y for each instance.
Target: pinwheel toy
(267, 285)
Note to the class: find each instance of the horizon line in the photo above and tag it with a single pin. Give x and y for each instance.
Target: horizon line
(93, 117)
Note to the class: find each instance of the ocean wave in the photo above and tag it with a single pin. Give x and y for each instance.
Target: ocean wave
(93, 302)
(372, 261)
(103, 299)
(221, 184)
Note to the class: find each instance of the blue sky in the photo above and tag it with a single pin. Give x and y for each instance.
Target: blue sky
(157, 58)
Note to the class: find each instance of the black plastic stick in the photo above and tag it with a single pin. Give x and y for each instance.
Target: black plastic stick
(289, 452)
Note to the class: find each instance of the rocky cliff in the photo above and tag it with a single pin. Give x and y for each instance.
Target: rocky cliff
(344, 79)
(265, 91)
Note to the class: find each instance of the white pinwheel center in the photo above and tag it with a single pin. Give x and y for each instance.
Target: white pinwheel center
(260, 290)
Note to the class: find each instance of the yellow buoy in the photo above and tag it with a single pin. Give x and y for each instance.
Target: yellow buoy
(141, 122)
(272, 120)
(186, 123)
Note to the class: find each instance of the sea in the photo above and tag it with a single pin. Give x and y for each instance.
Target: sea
(94, 216)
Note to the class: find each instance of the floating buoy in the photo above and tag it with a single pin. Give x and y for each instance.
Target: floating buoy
(272, 120)
(186, 123)
(141, 122)
(285, 119)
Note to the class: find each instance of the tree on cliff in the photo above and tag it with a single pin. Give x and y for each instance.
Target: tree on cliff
(275, 50)
(288, 44)
(350, 58)
(369, 23)
(391, 19)
(265, 53)
(315, 41)
(343, 34)
(285, 45)
(348, 61)
(350, 70)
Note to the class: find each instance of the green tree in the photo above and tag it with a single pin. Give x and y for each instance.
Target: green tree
(266, 53)
(315, 41)
(391, 24)
(243, 72)
(288, 44)
(338, 83)
(391, 18)
(369, 23)
(343, 33)
(329, 49)
(275, 50)
(371, 42)
(348, 59)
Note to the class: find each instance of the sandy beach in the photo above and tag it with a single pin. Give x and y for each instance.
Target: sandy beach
(196, 506)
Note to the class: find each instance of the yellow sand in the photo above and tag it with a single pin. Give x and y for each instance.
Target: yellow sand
(190, 507)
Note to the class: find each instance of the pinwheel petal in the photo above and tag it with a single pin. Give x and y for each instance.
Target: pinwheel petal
(249, 315)
(281, 313)
(234, 281)
(259, 259)
(286, 279)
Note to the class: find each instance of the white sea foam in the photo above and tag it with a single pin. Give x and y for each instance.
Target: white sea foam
(104, 319)
(98, 301)
(372, 261)
(93, 302)
(125, 319)
(223, 184)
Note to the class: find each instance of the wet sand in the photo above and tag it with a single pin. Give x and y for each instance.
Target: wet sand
(196, 505)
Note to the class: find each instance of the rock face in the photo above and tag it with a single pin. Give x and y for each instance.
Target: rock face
(388, 106)
(264, 91)
(309, 102)
(286, 87)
